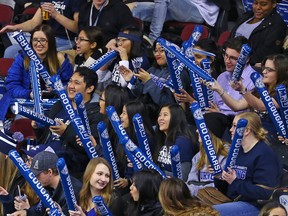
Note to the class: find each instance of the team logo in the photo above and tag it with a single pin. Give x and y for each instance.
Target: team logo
(198, 114)
(105, 134)
(130, 146)
(115, 117)
(240, 131)
(259, 83)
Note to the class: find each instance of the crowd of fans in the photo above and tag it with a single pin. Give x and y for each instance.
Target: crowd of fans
(137, 80)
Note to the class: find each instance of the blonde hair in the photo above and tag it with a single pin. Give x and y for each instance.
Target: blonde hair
(85, 194)
(255, 125)
(176, 200)
(219, 150)
(7, 174)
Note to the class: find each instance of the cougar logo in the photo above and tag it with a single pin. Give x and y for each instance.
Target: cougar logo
(198, 114)
(259, 83)
(240, 131)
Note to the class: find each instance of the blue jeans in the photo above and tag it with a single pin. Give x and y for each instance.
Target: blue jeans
(164, 10)
(61, 44)
(239, 208)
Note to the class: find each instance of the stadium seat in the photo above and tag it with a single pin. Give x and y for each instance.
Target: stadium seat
(5, 64)
(6, 14)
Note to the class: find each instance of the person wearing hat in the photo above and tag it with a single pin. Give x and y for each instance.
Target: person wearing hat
(200, 175)
(44, 167)
(62, 137)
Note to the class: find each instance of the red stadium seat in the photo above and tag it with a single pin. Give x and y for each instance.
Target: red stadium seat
(6, 14)
(5, 64)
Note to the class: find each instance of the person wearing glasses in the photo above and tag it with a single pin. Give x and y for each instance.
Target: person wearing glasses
(18, 81)
(222, 86)
(89, 47)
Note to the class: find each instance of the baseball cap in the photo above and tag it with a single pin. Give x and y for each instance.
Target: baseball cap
(43, 161)
(35, 150)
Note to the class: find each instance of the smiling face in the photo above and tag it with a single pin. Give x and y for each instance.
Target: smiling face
(100, 178)
(160, 56)
(262, 8)
(40, 44)
(124, 118)
(269, 73)
(76, 85)
(230, 59)
(164, 119)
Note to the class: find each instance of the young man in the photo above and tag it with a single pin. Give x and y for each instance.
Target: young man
(62, 138)
(44, 168)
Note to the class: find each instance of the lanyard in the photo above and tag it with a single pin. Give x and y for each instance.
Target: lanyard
(91, 11)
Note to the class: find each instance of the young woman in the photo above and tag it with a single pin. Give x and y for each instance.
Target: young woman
(18, 82)
(153, 80)
(273, 208)
(144, 192)
(115, 96)
(200, 175)
(257, 170)
(128, 111)
(176, 200)
(172, 129)
(97, 181)
(264, 28)
(131, 55)
(89, 46)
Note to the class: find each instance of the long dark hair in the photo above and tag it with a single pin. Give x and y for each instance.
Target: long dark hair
(136, 46)
(178, 126)
(133, 108)
(94, 34)
(147, 182)
(51, 61)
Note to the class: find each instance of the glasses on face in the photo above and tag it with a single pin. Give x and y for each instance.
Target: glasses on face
(160, 51)
(80, 39)
(233, 59)
(120, 41)
(42, 41)
(101, 99)
(268, 69)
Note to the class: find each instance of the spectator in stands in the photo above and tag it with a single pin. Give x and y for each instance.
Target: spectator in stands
(153, 81)
(176, 200)
(159, 11)
(256, 171)
(89, 46)
(126, 117)
(44, 167)
(97, 181)
(18, 81)
(129, 44)
(172, 129)
(273, 208)
(109, 15)
(62, 137)
(264, 28)
(63, 19)
(201, 173)
(144, 191)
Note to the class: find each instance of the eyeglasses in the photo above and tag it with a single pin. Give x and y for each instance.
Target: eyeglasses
(231, 58)
(80, 39)
(158, 51)
(268, 69)
(101, 99)
(120, 41)
(42, 41)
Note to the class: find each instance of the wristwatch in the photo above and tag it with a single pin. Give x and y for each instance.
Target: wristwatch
(243, 92)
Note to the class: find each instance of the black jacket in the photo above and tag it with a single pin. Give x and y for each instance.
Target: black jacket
(75, 156)
(58, 196)
(115, 16)
(265, 39)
